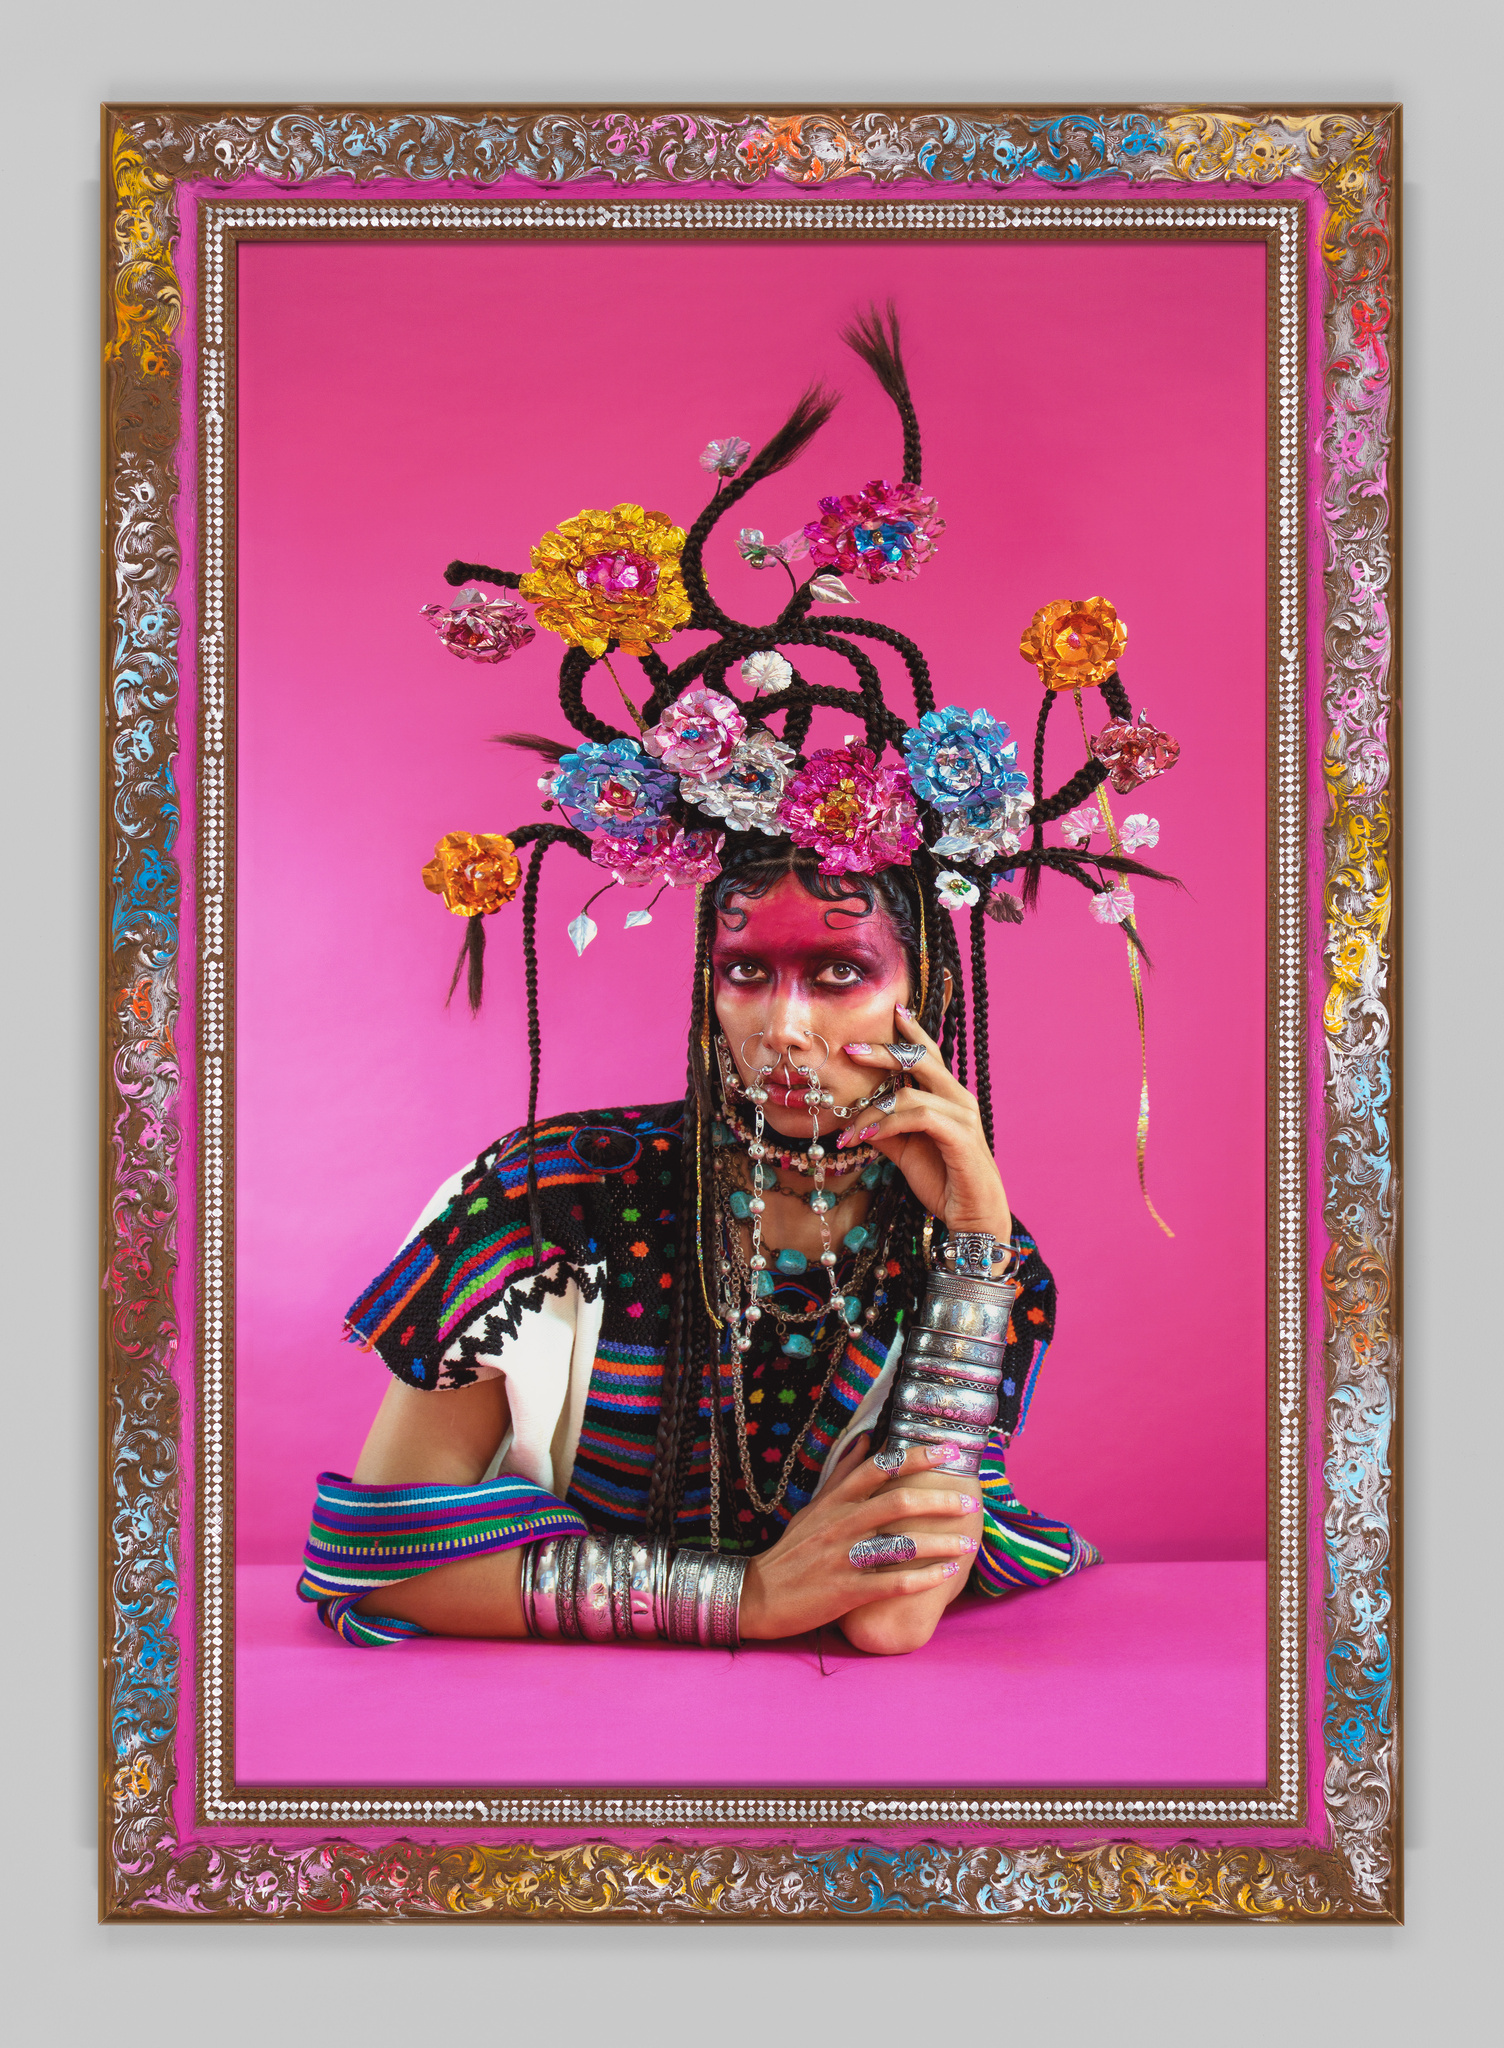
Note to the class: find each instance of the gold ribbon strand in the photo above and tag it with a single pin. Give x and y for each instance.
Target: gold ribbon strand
(1136, 975)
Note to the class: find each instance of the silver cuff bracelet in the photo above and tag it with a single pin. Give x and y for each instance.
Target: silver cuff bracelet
(947, 1388)
(617, 1589)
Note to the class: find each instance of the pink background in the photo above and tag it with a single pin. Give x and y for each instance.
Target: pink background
(1094, 421)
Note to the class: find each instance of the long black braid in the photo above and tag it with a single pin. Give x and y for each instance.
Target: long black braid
(693, 1341)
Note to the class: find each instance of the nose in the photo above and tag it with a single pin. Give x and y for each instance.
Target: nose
(786, 1034)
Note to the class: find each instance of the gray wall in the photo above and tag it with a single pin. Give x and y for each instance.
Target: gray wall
(69, 1980)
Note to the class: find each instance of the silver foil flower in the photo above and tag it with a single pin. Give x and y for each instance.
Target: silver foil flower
(983, 833)
(748, 793)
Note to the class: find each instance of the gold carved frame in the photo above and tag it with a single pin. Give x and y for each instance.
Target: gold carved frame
(1138, 171)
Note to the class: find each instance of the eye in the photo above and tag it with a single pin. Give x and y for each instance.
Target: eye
(742, 973)
(842, 974)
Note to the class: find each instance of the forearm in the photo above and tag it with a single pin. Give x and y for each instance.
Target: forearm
(479, 1596)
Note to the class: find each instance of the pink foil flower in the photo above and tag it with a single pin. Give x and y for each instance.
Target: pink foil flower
(697, 735)
(489, 629)
(1134, 754)
(858, 816)
(622, 574)
(887, 531)
(662, 854)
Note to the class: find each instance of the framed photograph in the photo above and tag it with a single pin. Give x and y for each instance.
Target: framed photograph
(934, 575)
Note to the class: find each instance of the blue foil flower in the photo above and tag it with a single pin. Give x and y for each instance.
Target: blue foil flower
(963, 760)
(614, 788)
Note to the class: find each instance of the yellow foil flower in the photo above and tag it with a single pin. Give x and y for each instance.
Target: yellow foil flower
(1074, 643)
(474, 872)
(605, 576)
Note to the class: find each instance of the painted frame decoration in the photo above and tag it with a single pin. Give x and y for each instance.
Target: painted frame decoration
(1320, 187)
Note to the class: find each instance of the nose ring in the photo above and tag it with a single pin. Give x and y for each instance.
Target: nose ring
(750, 1039)
(798, 1069)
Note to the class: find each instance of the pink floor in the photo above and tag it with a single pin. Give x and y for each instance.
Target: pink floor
(1131, 1674)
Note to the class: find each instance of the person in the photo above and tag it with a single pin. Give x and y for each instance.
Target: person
(735, 1367)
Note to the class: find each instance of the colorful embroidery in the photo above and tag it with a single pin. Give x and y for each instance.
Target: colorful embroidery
(365, 1537)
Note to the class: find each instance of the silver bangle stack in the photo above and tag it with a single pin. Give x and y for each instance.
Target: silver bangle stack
(616, 1589)
(947, 1389)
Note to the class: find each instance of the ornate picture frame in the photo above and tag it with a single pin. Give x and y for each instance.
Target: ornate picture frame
(1320, 189)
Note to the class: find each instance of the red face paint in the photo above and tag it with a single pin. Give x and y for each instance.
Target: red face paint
(799, 971)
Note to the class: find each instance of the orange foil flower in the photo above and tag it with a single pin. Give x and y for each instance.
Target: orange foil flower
(474, 872)
(1074, 643)
(605, 576)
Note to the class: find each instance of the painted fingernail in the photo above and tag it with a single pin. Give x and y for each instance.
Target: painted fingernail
(865, 1132)
(844, 1140)
(946, 1454)
(858, 1045)
(902, 1012)
(966, 1543)
(890, 1460)
(948, 1571)
(968, 1505)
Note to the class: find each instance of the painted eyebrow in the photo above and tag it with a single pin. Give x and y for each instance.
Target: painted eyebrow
(840, 954)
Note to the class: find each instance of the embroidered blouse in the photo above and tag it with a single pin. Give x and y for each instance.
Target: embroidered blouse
(580, 1337)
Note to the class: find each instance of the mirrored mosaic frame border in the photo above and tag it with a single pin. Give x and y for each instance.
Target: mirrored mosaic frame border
(1347, 157)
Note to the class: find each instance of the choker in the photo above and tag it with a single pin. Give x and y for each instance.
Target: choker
(795, 1154)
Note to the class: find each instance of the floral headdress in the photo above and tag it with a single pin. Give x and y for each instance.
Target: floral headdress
(944, 796)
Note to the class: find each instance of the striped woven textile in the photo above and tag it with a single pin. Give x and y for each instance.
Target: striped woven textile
(1019, 1547)
(364, 1537)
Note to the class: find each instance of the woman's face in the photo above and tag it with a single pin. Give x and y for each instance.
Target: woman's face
(799, 971)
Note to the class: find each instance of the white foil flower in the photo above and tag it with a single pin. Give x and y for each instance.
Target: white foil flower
(1079, 825)
(1111, 906)
(956, 892)
(725, 458)
(766, 672)
(754, 548)
(1139, 830)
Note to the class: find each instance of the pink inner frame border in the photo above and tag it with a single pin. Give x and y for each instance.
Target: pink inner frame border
(186, 596)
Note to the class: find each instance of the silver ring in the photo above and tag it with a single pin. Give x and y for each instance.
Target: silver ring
(868, 1552)
(908, 1056)
(742, 1055)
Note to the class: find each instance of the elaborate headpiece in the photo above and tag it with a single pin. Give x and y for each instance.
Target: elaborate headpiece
(702, 783)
